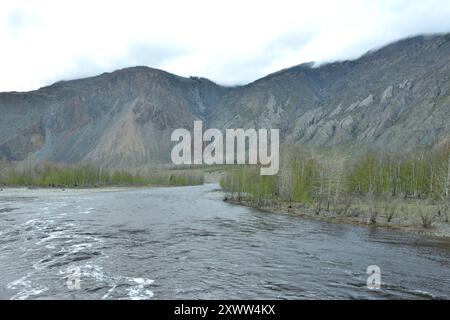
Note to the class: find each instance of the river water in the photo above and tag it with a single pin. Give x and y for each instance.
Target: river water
(186, 243)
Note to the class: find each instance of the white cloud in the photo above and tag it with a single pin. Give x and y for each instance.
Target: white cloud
(229, 42)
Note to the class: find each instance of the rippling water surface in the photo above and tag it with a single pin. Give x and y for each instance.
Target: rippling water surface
(161, 243)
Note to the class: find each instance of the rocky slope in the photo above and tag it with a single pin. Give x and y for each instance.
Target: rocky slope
(395, 98)
(123, 118)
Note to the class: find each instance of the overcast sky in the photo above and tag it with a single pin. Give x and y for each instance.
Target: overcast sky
(230, 42)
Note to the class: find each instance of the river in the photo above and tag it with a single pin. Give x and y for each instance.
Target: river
(186, 243)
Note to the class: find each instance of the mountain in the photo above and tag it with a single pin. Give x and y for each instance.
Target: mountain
(395, 98)
(123, 118)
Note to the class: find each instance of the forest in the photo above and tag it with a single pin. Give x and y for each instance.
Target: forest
(412, 186)
(49, 174)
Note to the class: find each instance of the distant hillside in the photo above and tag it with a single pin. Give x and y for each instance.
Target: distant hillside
(395, 98)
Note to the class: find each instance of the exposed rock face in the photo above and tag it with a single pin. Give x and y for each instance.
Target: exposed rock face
(395, 98)
(124, 118)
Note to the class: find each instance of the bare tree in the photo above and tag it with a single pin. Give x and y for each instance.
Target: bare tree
(427, 217)
(447, 180)
(373, 213)
(390, 209)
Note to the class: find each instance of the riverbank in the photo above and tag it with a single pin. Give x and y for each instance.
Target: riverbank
(405, 220)
(50, 175)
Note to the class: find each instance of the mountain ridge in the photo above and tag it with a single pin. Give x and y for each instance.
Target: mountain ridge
(396, 98)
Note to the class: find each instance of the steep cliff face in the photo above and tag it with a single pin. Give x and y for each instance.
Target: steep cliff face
(395, 98)
(124, 118)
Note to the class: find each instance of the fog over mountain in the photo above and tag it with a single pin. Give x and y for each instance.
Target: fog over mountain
(395, 98)
(229, 42)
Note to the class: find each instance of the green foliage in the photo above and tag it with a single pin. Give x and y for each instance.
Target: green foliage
(51, 175)
(304, 178)
(298, 180)
(416, 175)
(246, 180)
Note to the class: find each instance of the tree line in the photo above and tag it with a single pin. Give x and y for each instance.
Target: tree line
(330, 183)
(58, 175)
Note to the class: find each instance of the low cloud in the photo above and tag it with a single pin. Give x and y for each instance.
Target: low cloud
(230, 42)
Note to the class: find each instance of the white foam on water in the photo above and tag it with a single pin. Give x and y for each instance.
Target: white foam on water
(425, 293)
(30, 221)
(87, 271)
(106, 296)
(143, 281)
(39, 224)
(137, 288)
(75, 248)
(27, 291)
(139, 292)
(51, 236)
(41, 264)
(86, 211)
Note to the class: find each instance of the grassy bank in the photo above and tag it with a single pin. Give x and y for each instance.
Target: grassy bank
(409, 191)
(86, 176)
